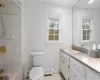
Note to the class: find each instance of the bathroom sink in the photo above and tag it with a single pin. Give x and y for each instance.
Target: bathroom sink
(71, 51)
(4, 78)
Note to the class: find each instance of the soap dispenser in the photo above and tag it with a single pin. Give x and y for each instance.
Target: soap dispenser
(94, 47)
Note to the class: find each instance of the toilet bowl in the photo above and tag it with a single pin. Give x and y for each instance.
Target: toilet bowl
(37, 72)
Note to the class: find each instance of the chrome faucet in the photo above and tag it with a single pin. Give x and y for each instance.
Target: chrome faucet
(82, 45)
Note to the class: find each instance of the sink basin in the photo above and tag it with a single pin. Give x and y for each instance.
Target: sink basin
(4, 78)
(71, 51)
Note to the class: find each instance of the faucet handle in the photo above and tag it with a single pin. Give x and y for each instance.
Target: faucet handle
(1, 71)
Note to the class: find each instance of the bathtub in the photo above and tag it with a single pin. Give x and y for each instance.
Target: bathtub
(9, 76)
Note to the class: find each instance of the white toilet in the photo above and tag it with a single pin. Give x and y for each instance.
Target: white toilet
(37, 72)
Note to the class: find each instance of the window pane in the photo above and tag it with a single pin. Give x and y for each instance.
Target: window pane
(88, 38)
(51, 37)
(51, 25)
(88, 24)
(56, 31)
(88, 34)
(51, 31)
(56, 22)
(83, 26)
(87, 27)
(84, 37)
(56, 37)
(84, 32)
(53, 22)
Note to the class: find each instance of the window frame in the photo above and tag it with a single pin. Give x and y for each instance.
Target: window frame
(47, 28)
(90, 29)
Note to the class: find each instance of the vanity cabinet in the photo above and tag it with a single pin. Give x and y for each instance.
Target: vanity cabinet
(73, 69)
(64, 65)
(91, 75)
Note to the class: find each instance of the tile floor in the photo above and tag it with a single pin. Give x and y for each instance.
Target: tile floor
(54, 77)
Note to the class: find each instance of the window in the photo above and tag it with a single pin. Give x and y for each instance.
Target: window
(86, 30)
(53, 29)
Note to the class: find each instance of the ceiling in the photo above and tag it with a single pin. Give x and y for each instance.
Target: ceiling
(9, 1)
(84, 4)
(69, 3)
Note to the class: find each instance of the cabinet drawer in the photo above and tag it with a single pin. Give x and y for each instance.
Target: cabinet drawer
(65, 56)
(79, 67)
(74, 75)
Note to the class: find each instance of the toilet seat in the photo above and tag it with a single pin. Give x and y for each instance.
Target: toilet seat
(36, 73)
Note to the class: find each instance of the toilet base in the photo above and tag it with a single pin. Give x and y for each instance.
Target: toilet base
(37, 73)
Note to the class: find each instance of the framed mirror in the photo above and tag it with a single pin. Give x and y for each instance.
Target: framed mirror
(86, 25)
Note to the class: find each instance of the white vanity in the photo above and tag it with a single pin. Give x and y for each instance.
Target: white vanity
(78, 66)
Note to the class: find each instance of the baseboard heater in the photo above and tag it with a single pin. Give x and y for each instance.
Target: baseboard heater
(48, 72)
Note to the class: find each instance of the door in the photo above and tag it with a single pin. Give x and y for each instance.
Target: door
(65, 70)
(61, 65)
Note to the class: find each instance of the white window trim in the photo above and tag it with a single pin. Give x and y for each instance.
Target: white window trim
(56, 16)
(91, 40)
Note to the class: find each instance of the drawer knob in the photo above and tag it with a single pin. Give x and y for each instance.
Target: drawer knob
(63, 61)
(74, 75)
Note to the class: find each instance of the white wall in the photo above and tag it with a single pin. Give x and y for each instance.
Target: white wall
(34, 15)
(94, 16)
(11, 60)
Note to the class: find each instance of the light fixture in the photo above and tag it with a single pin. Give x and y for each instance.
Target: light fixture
(91, 1)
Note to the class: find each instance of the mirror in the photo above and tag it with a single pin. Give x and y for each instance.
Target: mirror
(86, 23)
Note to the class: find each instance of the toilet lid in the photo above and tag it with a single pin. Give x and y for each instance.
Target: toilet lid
(36, 73)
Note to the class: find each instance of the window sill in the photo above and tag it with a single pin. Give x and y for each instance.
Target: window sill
(86, 41)
(54, 42)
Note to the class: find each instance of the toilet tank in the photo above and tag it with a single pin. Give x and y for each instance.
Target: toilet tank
(37, 58)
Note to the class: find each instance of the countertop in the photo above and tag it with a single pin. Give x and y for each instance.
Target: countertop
(93, 63)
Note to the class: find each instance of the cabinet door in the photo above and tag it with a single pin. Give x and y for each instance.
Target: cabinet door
(61, 65)
(91, 75)
(65, 70)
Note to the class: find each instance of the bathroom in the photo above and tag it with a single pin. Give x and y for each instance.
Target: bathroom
(62, 34)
